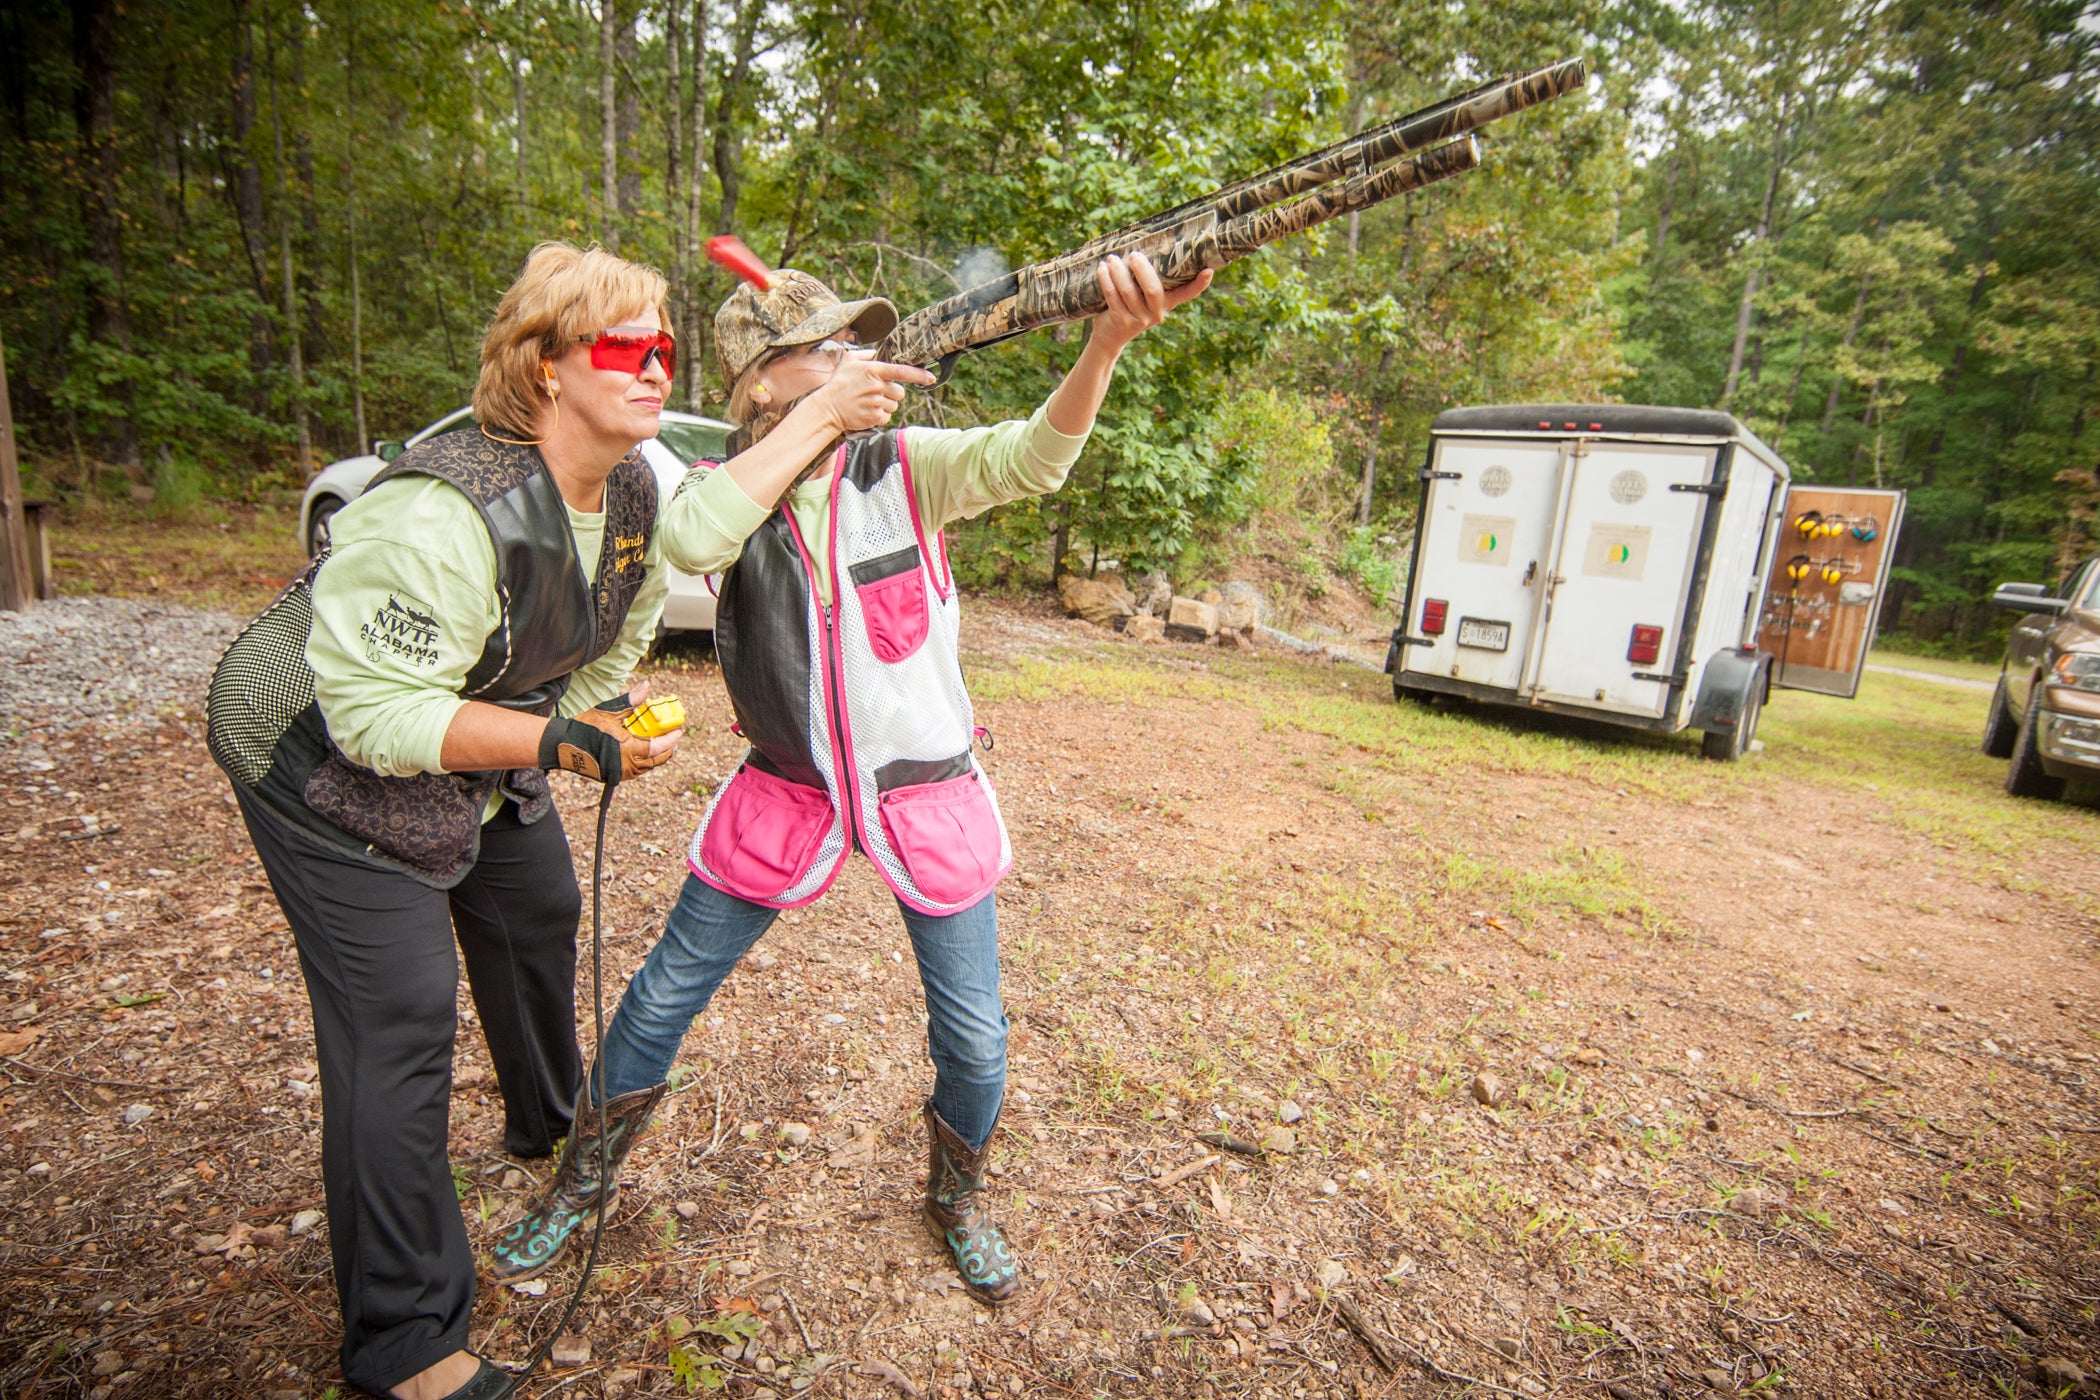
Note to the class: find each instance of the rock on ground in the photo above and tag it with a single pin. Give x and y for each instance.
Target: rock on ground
(1155, 594)
(1102, 601)
(1239, 608)
(1192, 621)
(1144, 628)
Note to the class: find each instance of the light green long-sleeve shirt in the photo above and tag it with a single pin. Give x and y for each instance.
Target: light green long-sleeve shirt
(955, 473)
(389, 693)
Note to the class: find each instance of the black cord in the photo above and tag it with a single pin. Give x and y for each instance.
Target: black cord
(598, 1086)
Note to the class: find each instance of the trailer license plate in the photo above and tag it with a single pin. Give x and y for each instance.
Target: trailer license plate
(1488, 636)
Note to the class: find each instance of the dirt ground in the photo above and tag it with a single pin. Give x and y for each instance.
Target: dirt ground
(1572, 1064)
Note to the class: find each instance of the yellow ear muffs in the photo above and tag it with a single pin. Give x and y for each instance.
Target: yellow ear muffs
(1809, 523)
(1833, 571)
(1800, 567)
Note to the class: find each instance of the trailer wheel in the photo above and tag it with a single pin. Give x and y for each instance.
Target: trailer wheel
(1728, 745)
(2000, 728)
(2025, 778)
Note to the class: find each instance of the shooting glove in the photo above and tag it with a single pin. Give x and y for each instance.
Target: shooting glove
(581, 748)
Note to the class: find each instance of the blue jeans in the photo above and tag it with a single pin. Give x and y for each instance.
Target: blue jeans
(709, 931)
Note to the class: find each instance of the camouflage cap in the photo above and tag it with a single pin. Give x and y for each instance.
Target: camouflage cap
(796, 309)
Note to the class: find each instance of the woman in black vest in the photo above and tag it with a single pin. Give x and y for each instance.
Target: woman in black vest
(388, 722)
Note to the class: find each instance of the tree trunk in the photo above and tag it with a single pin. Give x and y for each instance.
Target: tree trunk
(357, 300)
(311, 320)
(608, 124)
(1662, 219)
(627, 55)
(247, 188)
(17, 584)
(95, 115)
(2081, 483)
(517, 121)
(729, 139)
(284, 252)
(695, 362)
(1793, 383)
(1746, 309)
(1363, 505)
(1837, 381)
(674, 167)
(1960, 357)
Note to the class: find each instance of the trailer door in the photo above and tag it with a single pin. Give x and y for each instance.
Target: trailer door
(1823, 598)
(1487, 523)
(1616, 600)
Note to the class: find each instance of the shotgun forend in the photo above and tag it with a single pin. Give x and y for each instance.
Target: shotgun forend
(1432, 144)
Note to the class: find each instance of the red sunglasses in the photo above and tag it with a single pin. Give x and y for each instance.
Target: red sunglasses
(630, 351)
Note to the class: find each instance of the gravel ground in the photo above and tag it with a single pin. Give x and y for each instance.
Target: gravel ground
(102, 661)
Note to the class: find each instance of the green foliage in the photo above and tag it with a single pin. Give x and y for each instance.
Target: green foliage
(1277, 450)
(1921, 312)
(1368, 558)
(693, 1367)
(1892, 202)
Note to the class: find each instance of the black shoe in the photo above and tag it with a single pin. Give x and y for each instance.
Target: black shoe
(491, 1382)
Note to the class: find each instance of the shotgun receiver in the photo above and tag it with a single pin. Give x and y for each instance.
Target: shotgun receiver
(1227, 224)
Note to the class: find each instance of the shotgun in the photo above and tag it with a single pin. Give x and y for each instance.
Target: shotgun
(1423, 147)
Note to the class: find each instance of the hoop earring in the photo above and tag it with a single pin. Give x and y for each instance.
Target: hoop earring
(555, 399)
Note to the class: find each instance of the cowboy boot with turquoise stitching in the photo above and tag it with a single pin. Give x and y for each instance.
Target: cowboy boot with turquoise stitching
(956, 1216)
(532, 1244)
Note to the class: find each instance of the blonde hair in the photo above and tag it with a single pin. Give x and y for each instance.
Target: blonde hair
(753, 419)
(742, 408)
(563, 292)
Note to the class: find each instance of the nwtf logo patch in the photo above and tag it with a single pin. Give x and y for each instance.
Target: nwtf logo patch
(403, 630)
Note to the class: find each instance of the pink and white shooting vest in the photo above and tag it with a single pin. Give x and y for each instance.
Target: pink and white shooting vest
(860, 728)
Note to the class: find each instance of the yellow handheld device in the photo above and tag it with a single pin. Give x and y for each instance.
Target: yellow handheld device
(654, 718)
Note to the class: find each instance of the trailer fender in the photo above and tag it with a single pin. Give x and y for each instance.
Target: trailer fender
(1734, 678)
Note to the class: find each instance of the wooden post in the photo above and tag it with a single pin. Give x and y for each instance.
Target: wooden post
(18, 589)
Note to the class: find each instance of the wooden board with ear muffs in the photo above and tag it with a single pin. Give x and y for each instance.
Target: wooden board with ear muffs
(1829, 574)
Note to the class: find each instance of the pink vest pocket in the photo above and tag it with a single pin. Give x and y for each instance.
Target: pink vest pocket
(764, 834)
(892, 592)
(947, 835)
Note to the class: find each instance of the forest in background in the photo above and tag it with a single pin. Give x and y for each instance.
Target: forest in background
(240, 238)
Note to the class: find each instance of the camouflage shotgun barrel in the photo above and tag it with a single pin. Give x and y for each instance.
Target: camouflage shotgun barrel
(1232, 222)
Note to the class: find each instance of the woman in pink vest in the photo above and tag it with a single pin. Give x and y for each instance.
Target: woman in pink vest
(836, 630)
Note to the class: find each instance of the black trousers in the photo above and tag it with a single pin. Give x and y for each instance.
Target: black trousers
(377, 951)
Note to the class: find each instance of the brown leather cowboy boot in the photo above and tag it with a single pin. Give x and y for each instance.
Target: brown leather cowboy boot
(532, 1244)
(956, 1216)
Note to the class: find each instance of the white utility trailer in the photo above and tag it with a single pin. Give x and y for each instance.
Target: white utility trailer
(1652, 567)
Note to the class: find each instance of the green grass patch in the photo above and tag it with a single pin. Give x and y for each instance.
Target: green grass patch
(225, 558)
(1904, 752)
(1577, 882)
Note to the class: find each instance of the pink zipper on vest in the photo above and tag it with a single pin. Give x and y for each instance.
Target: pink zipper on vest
(833, 660)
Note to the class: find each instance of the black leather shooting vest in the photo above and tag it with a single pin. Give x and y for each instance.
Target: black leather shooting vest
(269, 735)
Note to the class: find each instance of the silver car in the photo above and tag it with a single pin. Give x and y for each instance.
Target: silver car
(681, 440)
